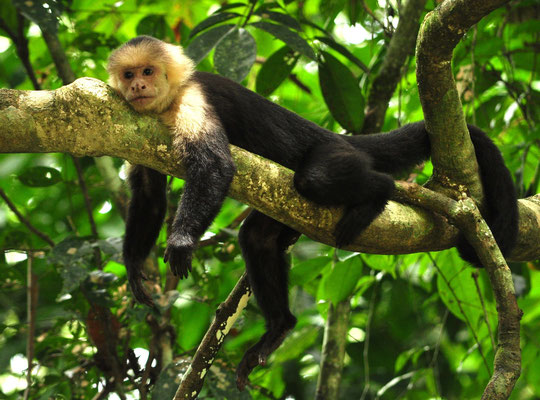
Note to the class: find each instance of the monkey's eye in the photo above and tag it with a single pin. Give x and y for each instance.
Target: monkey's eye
(128, 74)
(148, 71)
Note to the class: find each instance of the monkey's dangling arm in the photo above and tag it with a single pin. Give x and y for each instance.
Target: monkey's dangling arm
(210, 170)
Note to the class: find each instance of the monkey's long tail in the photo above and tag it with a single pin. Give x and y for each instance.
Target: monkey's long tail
(397, 150)
(409, 145)
(500, 208)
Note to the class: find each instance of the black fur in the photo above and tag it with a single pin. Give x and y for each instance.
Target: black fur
(144, 219)
(329, 169)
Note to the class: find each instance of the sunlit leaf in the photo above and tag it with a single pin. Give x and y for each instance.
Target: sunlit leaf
(291, 38)
(204, 43)
(154, 25)
(341, 281)
(343, 50)
(43, 14)
(279, 17)
(275, 70)
(40, 176)
(307, 270)
(212, 20)
(341, 93)
(235, 54)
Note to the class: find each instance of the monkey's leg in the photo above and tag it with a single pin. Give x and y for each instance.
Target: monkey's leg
(264, 241)
(338, 174)
(143, 222)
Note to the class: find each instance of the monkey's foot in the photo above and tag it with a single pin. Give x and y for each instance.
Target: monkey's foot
(137, 288)
(354, 221)
(179, 258)
(258, 354)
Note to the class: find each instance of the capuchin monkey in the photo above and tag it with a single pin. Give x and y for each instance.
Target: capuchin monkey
(206, 113)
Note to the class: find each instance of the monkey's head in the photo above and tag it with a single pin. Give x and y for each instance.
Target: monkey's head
(148, 73)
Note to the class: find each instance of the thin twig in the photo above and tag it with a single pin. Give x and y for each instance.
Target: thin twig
(31, 303)
(479, 292)
(459, 304)
(88, 205)
(25, 221)
(365, 353)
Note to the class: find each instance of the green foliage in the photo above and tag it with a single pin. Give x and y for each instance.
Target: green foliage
(429, 332)
(275, 70)
(341, 93)
(235, 54)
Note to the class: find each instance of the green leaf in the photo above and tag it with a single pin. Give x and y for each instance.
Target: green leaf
(341, 93)
(221, 384)
(235, 54)
(307, 270)
(8, 14)
(296, 344)
(402, 359)
(167, 381)
(40, 177)
(283, 19)
(275, 70)
(341, 281)
(329, 9)
(462, 293)
(111, 246)
(292, 39)
(154, 25)
(203, 44)
(230, 6)
(344, 51)
(411, 354)
(43, 14)
(212, 20)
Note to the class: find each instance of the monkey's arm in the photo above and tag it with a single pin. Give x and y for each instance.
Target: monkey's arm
(210, 170)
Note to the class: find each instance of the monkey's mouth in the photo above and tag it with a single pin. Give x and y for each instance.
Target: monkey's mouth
(141, 99)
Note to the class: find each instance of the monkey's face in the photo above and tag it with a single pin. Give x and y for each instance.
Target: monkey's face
(145, 87)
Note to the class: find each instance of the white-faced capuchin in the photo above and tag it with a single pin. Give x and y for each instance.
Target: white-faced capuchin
(206, 112)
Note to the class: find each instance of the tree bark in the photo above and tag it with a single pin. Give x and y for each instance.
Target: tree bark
(333, 351)
(454, 161)
(88, 118)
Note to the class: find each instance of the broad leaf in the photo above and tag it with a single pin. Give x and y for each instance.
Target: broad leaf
(204, 43)
(235, 54)
(341, 281)
(212, 20)
(292, 39)
(275, 70)
(40, 176)
(283, 19)
(341, 93)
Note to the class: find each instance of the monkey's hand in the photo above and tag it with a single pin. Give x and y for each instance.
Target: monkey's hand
(179, 253)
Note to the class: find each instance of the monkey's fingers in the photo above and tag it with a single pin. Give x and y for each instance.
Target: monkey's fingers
(179, 259)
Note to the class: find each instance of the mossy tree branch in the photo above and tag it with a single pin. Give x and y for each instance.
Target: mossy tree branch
(87, 118)
(455, 164)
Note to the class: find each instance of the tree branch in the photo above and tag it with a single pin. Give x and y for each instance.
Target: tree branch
(454, 158)
(226, 315)
(400, 47)
(88, 118)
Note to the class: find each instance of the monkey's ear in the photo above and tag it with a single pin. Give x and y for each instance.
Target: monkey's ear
(113, 82)
(178, 66)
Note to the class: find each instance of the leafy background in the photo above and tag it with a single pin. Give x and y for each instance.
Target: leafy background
(420, 325)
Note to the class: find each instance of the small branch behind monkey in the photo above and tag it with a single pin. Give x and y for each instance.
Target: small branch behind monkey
(226, 315)
(25, 221)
